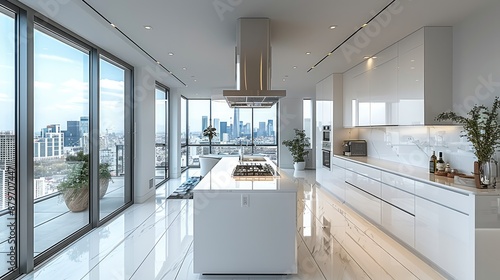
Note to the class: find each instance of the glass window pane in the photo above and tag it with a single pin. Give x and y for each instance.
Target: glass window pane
(183, 121)
(161, 128)
(7, 135)
(222, 119)
(61, 165)
(198, 120)
(111, 137)
(264, 126)
(307, 123)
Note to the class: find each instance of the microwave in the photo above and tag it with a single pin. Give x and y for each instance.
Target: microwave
(355, 148)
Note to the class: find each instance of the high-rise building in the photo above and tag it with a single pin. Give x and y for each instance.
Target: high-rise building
(223, 127)
(72, 134)
(7, 161)
(204, 122)
(217, 125)
(50, 144)
(236, 121)
(84, 126)
(270, 128)
(262, 129)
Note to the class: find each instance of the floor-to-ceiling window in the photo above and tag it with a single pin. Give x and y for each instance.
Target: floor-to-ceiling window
(198, 120)
(114, 191)
(252, 130)
(60, 153)
(161, 134)
(8, 193)
(184, 153)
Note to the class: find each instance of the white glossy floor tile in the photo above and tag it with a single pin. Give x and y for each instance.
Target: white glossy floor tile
(154, 240)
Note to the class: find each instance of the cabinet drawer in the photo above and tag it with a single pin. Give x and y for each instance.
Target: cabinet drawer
(398, 182)
(338, 162)
(364, 183)
(364, 203)
(399, 223)
(454, 200)
(399, 198)
(364, 170)
(444, 236)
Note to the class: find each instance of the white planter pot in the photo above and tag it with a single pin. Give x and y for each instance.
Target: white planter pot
(299, 165)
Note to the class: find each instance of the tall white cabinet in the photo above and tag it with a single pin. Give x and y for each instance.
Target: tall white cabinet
(408, 83)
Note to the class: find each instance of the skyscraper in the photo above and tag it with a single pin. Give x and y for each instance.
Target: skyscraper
(204, 122)
(7, 161)
(270, 128)
(262, 129)
(50, 144)
(223, 127)
(217, 126)
(236, 122)
(84, 126)
(72, 134)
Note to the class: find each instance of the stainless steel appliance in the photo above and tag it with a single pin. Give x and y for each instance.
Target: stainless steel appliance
(326, 146)
(254, 172)
(355, 148)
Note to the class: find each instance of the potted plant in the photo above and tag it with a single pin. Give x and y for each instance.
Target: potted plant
(77, 182)
(297, 147)
(75, 187)
(210, 132)
(482, 129)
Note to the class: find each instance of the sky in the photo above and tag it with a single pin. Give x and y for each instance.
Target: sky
(61, 86)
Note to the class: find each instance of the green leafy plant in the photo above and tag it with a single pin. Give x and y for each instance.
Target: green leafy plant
(297, 145)
(78, 176)
(210, 132)
(481, 128)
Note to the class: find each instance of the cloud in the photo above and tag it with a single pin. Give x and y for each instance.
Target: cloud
(111, 84)
(113, 94)
(76, 84)
(56, 58)
(43, 85)
(6, 97)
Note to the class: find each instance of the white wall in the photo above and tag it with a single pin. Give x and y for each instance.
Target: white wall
(144, 118)
(290, 117)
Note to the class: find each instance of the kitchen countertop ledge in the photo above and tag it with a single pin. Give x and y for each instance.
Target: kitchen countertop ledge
(220, 179)
(419, 174)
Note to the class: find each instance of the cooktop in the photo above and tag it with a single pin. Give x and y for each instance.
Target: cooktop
(254, 170)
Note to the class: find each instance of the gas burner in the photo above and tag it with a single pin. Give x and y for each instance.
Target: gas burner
(254, 170)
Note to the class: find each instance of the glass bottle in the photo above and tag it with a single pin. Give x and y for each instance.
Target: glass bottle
(440, 164)
(432, 162)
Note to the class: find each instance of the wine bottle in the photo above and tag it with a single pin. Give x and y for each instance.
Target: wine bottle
(440, 165)
(432, 162)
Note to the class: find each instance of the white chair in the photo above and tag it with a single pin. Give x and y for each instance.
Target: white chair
(207, 163)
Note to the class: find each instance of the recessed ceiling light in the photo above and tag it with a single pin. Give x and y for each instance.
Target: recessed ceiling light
(333, 26)
(308, 52)
(158, 62)
(284, 80)
(184, 68)
(294, 67)
(364, 25)
(374, 57)
(170, 53)
(329, 54)
(195, 80)
(148, 27)
(366, 57)
(112, 24)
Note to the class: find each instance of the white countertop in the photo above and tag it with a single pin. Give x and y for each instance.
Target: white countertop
(220, 179)
(420, 174)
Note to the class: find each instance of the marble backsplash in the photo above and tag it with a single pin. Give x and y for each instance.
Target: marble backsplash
(414, 145)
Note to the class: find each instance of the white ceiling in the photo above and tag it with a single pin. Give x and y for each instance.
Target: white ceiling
(202, 34)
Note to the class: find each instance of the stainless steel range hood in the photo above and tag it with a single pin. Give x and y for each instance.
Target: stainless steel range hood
(253, 67)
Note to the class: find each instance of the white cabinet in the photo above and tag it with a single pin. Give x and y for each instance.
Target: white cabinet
(399, 223)
(444, 236)
(338, 186)
(409, 83)
(366, 204)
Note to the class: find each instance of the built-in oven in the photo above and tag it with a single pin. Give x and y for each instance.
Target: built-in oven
(326, 146)
(326, 158)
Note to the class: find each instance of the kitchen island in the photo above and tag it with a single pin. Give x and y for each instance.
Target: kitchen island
(244, 224)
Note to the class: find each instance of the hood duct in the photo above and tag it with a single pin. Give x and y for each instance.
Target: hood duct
(253, 67)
